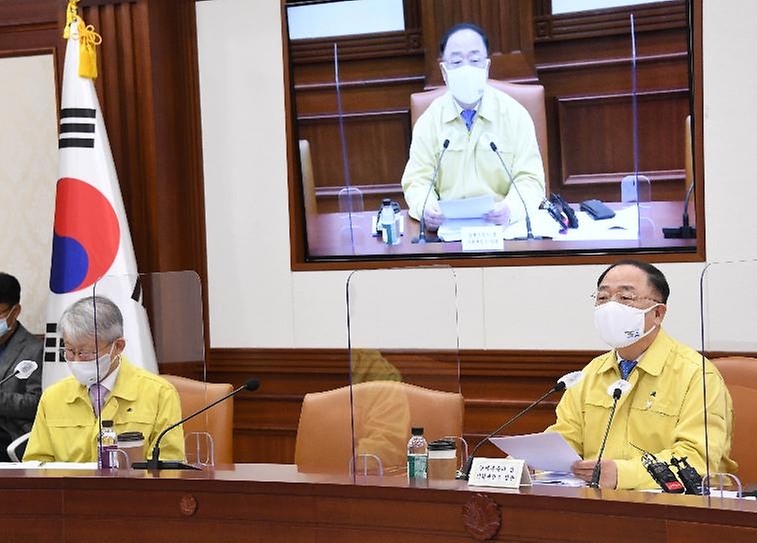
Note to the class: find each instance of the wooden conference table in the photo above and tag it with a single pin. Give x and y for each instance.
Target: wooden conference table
(270, 502)
(342, 234)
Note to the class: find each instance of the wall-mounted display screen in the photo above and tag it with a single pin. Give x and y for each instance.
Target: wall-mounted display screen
(607, 166)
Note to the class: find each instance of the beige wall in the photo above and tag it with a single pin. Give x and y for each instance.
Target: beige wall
(256, 301)
(28, 172)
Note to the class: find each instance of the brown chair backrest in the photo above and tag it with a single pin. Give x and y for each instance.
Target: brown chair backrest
(740, 376)
(324, 434)
(530, 97)
(218, 421)
(308, 179)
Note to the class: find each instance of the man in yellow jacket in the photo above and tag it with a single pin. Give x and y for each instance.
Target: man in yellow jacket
(661, 410)
(102, 382)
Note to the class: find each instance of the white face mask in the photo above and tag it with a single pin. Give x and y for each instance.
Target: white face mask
(620, 325)
(466, 83)
(86, 371)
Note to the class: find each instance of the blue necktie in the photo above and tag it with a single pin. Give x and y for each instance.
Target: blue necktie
(468, 115)
(625, 367)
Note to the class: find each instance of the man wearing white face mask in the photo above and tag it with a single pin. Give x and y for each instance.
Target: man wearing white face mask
(103, 384)
(662, 411)
(18, 397)
(472, 115)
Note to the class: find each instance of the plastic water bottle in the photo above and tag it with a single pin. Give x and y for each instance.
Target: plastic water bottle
(388, 221)
(417, 455)
(108, 445)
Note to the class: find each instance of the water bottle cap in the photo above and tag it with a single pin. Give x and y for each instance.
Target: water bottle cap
(107, 423)
(386, 202)
(417, 430)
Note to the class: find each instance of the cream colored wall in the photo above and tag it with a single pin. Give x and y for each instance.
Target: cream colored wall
(256, 301)
(28, 172)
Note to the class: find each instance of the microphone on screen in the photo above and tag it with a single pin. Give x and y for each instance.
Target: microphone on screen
(529, 232)
(156, 463)
(23, 370)
(616, 390)
(422, 238)
(566, 381)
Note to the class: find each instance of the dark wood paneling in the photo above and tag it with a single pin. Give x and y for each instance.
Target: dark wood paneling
(496, 385)
(597, 145)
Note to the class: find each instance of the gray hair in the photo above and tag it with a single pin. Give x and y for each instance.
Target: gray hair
(78, 320)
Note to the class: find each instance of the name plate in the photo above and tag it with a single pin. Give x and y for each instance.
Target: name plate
(499, 472)
(482, 238)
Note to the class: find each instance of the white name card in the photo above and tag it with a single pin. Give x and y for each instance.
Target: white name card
(500, 472)
(482, 238)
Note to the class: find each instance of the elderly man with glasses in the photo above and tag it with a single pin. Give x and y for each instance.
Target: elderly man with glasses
(469, 118)
(103, 385)
(661, 410)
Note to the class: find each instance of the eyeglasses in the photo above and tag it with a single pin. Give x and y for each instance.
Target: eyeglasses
(625, 298)
(85, 356)
(458, 61)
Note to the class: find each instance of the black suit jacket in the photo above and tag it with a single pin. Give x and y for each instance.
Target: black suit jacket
(19, 397)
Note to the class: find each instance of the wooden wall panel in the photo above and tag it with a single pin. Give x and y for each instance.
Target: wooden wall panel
(496, 385)
(597, 146)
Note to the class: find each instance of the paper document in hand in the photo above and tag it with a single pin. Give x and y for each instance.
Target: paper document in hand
(467, 208)
(545, 450)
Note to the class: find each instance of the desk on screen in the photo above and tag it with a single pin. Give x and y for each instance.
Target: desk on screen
(341, 234)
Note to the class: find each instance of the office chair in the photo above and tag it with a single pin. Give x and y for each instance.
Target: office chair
(17, 447)
(384, 412)
(740, 376)
(218, 421)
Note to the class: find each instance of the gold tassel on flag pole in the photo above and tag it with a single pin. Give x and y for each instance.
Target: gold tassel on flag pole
(88, 40)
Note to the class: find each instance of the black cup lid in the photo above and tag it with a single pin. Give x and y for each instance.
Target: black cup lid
(442, 445)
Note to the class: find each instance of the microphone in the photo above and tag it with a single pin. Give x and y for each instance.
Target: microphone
(529, 232)
(616, 390)
(23, 370)
(422, 234)
(156, 463)
(566, 381)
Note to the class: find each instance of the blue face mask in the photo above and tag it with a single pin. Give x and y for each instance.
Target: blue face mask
(4, 326)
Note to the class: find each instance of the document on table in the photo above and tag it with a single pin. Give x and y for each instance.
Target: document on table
(36, 464)
(546, 450)
(467, 208)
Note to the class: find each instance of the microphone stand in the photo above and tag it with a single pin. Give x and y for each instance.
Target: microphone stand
(9, 377)
(465, 472)
(616, 394)
(685, 231)
(529, 232)
(155, 463)
(422, 234)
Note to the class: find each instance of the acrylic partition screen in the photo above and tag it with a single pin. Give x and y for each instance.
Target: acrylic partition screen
(404, 362)
(729, 325)
(164, 333)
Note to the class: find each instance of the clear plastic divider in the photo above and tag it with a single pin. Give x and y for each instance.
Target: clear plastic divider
(728, 322)
(402, 327)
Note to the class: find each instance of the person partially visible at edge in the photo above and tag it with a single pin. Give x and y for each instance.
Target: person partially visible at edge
(66, 426)
(469, 167)
(18, 397)
(661, 413)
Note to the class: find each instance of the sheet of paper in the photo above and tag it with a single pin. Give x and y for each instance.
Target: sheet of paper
(452, 229)
(545, 450)
(467, 208)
